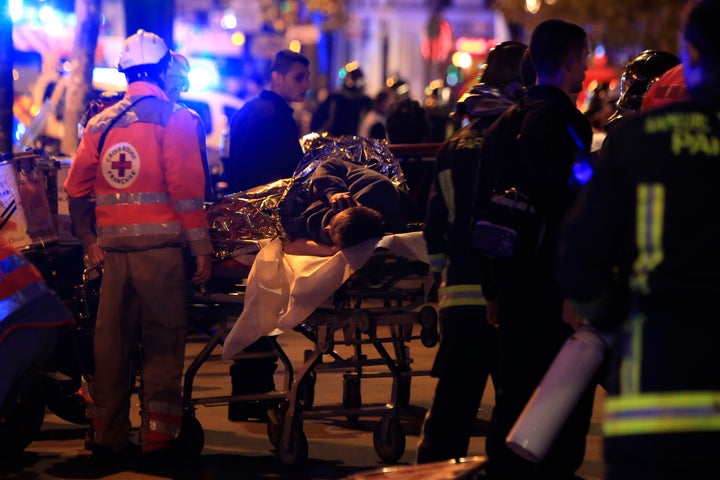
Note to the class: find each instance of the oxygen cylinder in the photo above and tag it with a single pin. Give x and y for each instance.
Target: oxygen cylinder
(557, 394)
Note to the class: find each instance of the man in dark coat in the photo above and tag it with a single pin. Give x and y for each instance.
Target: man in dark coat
(264, 138)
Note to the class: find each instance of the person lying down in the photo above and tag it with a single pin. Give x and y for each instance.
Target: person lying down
(345, 204)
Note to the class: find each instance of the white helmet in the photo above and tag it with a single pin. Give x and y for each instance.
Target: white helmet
(142, 48)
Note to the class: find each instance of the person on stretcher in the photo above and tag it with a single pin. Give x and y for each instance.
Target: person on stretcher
(344, 204)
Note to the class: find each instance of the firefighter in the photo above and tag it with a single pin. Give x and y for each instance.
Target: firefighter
(639, 74)
(639, 257)
(466, 355)
(137, 168)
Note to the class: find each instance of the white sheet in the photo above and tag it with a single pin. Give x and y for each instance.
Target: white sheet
(283, 290)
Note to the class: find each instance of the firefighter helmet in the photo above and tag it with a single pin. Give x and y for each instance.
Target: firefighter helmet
(638, 75)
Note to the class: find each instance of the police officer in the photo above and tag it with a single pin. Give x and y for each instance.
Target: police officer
(647, 228)
(136, 167)
(467, 347)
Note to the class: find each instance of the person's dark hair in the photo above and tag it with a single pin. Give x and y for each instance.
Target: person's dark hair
(553, 42)
(702, 32)
(503, 64)
(284, 59)
(381, 97)
(357, 224)
(407, 122)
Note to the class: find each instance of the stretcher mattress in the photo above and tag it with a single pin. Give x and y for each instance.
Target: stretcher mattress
(283, 290)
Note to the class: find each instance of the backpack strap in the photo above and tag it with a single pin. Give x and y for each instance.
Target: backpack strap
(101, 143)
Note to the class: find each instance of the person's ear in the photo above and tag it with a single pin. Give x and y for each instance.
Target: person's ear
(275, 77)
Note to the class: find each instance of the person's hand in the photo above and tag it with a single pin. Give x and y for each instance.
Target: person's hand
(571, 317)
(492, 313)
(341, 201)
(203, 270)
(94, 255)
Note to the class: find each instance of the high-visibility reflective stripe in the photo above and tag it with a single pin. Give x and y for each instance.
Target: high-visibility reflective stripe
(632, 358)
(662, 413)
(194, 234)
(188, 204)
(460, 295)
(437, 262)
(109, 231)
(22, 297)
(448, 193)
(649, 225)
(132, 198)
(11, 263)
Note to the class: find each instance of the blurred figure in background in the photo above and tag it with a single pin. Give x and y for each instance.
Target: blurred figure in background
(341, 112)
(373, 124)
(177, 82)
(598, 111)
(407, 122)
(467, 353)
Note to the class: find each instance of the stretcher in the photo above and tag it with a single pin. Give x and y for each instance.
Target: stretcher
(373, 301)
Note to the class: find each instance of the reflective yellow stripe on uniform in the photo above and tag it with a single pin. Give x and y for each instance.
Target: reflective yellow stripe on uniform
(662, 413)
(632, 357)
(649, 226)
(461, 296)
(437, 262)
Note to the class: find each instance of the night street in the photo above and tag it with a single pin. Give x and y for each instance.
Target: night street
(241, 450)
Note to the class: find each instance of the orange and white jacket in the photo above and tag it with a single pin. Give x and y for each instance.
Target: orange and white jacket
(148, 179)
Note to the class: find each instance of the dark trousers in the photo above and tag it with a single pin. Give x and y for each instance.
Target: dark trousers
(530, 336)
(462, 366)
(252, 375)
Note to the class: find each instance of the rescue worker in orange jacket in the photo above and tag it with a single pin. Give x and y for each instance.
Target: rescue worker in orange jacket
(137, 166)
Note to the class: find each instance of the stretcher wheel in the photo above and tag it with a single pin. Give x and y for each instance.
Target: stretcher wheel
(351, 396)
(389, 439)
(191, 441)
(63, 400)
(23, 421)
(297, 451)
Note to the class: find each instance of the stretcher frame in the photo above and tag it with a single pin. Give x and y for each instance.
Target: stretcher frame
(357, 315)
